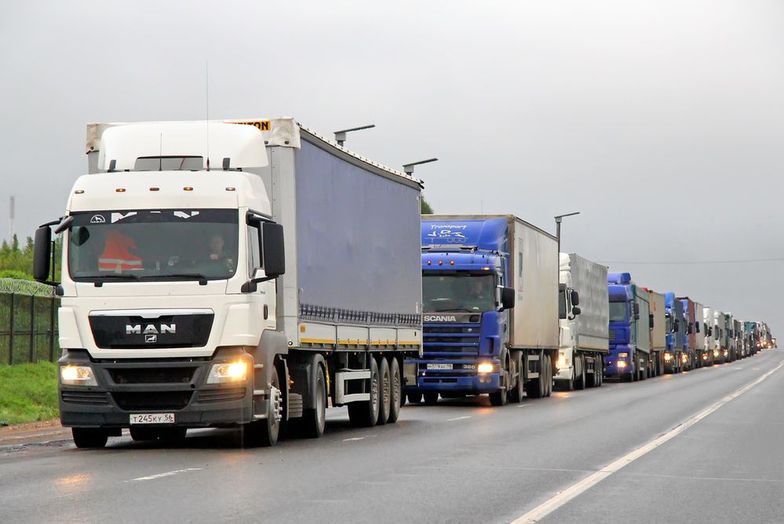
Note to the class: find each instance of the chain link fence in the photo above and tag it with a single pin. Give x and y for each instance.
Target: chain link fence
(28, 322)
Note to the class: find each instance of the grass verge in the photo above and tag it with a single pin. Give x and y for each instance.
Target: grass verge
(28, 392)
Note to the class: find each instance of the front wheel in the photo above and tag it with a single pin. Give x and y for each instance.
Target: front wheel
(266, 432)
(89, 438)
(314, 420)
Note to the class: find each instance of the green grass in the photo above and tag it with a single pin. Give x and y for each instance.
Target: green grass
(28, 392)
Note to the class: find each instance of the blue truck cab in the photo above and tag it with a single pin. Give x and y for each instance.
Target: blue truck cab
(676, 332)
(629, 355)
(470, 281)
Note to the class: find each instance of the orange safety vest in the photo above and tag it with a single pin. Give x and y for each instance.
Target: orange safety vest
(116, 255)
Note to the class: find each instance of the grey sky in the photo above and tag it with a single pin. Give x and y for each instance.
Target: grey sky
(661, 120)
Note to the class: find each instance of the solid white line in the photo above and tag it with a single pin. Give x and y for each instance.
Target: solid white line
(352, 439)
(523, 405)
(166, 474)
(458, 418)
(587, 483)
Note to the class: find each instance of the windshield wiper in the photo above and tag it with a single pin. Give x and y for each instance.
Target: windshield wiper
(186, 276)
(100, 279)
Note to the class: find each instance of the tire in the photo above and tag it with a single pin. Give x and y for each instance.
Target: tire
(414, 398)
(431, 399)
(518, 392)
(89, 438)
(600, 376)
(365, 413)
(264, 432)
(141, 434)
(580, 382)
(548, 384)
(535, 388)
(314, 420)
(501, 397)
(384, 391)
(397, 391)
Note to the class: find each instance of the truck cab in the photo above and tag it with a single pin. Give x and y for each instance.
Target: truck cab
(673, 357)
(629, 326)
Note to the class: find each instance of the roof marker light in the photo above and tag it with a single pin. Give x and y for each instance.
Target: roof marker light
(155, 189)
(429, 262)
(440, 262)
(120, 190)
(187, 188)
(451, 262)
(230, 188)
(79, 191)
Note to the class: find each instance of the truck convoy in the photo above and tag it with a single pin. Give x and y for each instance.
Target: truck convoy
(630, 340)
(583, 313)
(242, 273)
(658, 332)
(673, 357)
(490, 300)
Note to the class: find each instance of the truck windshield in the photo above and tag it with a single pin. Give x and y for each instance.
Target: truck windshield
(164, 244)
(458, 292)
(617, 311)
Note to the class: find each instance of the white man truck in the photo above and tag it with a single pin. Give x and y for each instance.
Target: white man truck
(232, 274)
(584, 318)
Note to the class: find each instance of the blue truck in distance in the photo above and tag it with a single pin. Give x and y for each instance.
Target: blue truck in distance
(490, 303)
(676, 329)
(630, 338)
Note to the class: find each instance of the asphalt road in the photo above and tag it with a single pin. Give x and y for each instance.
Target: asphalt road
(456, 462)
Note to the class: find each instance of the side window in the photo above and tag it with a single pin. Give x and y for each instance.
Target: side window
(254, 251)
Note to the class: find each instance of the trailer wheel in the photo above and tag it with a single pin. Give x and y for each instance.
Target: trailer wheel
(414, 398)
(518, 391)
(313, 421)
(548, 385)
(431, 399)
(580, 381)
(89, 438)
(365, 413)
(535, 388)
(397, 395)
(384, 391)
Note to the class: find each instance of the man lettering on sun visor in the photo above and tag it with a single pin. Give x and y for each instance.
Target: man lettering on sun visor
(117, 255)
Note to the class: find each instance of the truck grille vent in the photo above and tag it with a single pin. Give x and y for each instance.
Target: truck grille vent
(221, 395)
(85, 397)
(178, 375)
(450, 341)
(153, 400)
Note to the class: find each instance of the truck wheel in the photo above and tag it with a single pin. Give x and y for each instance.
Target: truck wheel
(535, 388)
(314, 420)
(365, 413)
(384, 390)
(548, 384)
(414, 398)
(89, 438)
(140, 434)
(396, 400)
(501, 397)
(265, 432)
(518, 391)
(580, 378)
(431, 399)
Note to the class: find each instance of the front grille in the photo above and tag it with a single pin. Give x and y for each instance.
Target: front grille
(152, 400)
(221, 395)
(167, 331)
(450, 341)
(178, 375)
(85, 397)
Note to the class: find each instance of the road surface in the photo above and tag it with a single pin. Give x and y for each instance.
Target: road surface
(553, 459)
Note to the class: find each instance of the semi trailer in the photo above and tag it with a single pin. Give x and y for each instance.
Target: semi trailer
(630, 340)
(699, 331)
(584, 320)
(658, 332)
(490, 301)
(242, 274)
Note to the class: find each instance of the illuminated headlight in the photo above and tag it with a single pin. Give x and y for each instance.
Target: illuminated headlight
(563, 361)
(685, 358)
(704, 356)
(726, 352)
(485, 367)
(667, 357)
(715, 352)
(623, 355)
(621, 364)
(236, 371)
(77, 376)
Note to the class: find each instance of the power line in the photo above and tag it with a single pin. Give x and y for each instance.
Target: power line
(692, 262)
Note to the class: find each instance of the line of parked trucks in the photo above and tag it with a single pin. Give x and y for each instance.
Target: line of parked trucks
(250, 274)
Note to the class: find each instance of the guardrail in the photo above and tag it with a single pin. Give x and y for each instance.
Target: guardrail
(28, 322)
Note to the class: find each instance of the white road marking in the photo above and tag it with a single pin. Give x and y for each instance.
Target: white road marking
(166, 474)
(458, 418)
(352, 439)
(523, 405)
(563, 497)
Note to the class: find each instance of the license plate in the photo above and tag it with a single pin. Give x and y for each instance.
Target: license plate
(439, 366)
(152, 418)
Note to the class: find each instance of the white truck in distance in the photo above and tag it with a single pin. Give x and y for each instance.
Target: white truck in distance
(179, 309)
(584, 320)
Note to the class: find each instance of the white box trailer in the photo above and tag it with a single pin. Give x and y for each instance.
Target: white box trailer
(256, 338)
(658, 331)
(584, 321)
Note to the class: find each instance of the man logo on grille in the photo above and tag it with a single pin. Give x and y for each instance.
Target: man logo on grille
(150, 339)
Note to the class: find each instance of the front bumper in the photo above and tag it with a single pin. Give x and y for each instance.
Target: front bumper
(466, 381)
(150, 386)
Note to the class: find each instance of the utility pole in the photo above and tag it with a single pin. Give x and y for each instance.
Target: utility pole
(558, 219)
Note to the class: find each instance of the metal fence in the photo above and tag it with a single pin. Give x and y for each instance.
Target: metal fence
(28, 322)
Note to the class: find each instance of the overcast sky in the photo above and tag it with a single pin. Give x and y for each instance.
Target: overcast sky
(662, 121)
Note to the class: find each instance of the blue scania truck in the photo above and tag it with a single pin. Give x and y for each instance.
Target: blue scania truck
(630, 324)
(490, 304)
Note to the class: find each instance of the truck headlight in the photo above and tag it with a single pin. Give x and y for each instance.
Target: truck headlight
(623, 355)
(726, 352)
(621, 364)
(235, 371)
(715, 352)
(667, 357)
(685, 358)
(485, 367)
(77, 376)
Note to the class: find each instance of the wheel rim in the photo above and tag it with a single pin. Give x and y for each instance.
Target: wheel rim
(374, 404)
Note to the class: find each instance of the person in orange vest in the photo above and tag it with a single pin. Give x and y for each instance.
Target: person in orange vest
(117, 255)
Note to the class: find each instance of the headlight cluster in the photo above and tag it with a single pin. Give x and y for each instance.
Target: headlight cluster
(667, 357)
(235, 371)
(71, 375)
(621, 364)
(623, 355)
(485, 367)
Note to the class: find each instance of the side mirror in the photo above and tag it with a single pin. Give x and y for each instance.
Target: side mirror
(636, 311)
(575, 298)
(576, 310)
(272, 250)
(676, 326)
(650, 320)
(42, 254)
(697, 327)
(508, 297)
